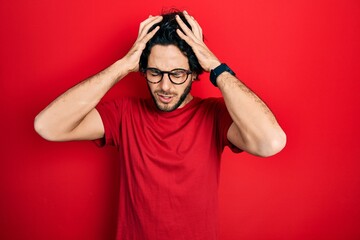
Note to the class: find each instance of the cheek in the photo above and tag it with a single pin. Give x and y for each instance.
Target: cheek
(182, 90)
(151, 87)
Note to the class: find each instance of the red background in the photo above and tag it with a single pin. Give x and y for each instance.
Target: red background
(301, 57)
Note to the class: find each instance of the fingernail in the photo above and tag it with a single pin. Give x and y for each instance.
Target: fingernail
(185, 12)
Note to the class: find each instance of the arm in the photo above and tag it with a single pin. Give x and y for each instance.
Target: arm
(254, 127)
(72, 116)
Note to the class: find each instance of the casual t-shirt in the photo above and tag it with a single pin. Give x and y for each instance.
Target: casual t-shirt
(169, 166)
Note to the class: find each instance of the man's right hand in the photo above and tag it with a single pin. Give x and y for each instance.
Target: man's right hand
(132, 58)
(73, 116)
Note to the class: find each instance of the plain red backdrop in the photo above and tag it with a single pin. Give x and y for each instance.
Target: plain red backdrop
(301, 57)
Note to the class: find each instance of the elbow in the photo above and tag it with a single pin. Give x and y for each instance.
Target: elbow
(40, 128)
(274, 145)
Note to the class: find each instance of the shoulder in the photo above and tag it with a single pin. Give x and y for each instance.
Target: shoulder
(211, 102)
(214, 100)
(123, 102)
(118, 106)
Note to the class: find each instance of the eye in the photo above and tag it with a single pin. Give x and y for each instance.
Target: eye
(154, 72)
(178, 73)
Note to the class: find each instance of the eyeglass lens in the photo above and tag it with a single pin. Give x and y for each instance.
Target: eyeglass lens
(176, 76)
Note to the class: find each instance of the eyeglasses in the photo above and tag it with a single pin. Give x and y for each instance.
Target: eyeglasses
(177, 76)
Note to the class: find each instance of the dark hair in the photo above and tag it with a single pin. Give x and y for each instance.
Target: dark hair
(167, 35)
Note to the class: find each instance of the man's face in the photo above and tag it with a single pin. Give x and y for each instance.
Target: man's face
(169, 96)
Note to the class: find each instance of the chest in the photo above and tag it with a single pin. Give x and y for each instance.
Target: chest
(188, 135)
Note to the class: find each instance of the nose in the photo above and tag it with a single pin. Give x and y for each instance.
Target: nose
(165, 83)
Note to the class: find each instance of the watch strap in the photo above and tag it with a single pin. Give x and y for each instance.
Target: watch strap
(214, 73)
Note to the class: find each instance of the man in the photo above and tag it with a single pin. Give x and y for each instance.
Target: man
(170, 145)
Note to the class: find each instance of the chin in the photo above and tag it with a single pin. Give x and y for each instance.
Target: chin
(166, 107)
(175, 103)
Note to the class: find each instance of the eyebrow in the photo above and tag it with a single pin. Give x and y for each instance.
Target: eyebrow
(178, 68)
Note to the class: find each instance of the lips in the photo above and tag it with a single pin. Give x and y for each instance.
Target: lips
(165, 98)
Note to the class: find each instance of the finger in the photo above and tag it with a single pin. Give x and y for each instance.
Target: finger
(149, 19)
(147, 24)
(189, 18)
(195, 32)
(183, 26)
(148, 36)
(186, 38)
(196, 28)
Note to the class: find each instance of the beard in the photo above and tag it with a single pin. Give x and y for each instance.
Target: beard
(170, 108)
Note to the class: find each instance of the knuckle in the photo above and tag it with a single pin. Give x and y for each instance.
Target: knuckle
(142, 45)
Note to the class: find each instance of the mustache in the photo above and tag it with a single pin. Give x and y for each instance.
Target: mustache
(162, 92)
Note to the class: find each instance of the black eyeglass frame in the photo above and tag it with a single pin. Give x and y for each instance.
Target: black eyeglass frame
(169, 73)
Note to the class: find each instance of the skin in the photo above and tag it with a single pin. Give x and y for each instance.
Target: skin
(166, 95)
(72, 116)
(255, 129)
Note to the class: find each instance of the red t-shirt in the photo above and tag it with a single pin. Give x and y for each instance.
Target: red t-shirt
(169, 166)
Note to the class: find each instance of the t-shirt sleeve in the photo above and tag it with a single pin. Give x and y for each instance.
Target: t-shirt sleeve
(110, 113)
(224, 122)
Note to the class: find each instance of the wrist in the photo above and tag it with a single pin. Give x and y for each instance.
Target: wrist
(123, 67)
(116, 71)
(128, 65)
(214, 65)
(217, 71)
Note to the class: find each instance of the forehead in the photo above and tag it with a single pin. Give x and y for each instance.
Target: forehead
(167, 58)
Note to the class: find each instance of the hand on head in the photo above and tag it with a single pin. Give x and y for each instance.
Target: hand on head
(194, 37)
(133, 56)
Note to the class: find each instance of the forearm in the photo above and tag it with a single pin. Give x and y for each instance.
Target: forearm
(65, 113)
(257, 129)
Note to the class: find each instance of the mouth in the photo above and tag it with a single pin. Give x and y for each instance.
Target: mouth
(165, 98)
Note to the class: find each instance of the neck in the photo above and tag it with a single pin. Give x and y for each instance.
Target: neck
(188, 99)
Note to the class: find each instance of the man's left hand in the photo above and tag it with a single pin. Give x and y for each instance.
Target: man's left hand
(194, 37)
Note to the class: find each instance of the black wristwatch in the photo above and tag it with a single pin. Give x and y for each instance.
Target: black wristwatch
(214, 73)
